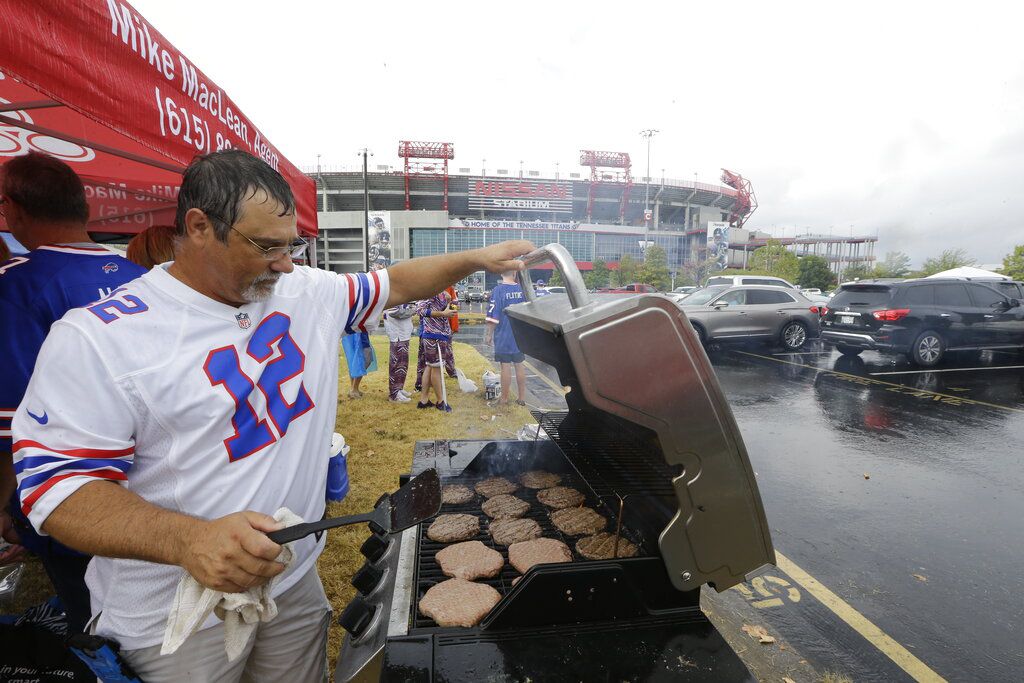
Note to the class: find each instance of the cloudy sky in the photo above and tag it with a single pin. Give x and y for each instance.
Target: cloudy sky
(903, 119)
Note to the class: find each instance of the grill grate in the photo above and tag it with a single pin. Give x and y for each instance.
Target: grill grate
(428, 571)
(611, 456)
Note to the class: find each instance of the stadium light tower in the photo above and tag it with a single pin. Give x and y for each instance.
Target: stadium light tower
(366, 210)
(648, 133)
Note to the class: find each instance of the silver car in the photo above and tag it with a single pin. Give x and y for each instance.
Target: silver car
(752, 313)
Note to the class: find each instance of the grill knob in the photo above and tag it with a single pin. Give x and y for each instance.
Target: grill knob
(357, 616)
(367, 578)
(374, 547)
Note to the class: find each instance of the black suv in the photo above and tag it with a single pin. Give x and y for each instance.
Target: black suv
(922, 318)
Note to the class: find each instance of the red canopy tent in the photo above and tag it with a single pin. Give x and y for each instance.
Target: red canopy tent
(92, 83)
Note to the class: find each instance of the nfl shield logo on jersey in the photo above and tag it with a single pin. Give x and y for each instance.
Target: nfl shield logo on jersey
(243, 320)
(110, 268)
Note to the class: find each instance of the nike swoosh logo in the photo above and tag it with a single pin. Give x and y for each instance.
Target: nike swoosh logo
(43, 419)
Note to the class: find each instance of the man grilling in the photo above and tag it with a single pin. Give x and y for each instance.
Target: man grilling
(205, 396)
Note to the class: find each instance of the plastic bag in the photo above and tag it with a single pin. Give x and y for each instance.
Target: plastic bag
(467, 385)
(492, 385)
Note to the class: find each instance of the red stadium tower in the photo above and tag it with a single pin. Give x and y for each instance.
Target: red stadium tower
(746, 202)
(415, 153)
(607, 160)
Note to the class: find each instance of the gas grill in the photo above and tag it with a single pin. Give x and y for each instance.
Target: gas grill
(649, 440)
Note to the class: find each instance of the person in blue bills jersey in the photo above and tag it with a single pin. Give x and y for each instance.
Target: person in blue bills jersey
(44, 206)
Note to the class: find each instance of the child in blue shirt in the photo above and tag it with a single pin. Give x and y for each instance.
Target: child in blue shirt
(499, 333)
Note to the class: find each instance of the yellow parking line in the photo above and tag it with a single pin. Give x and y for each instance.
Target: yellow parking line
(544, 378)
(921, 372)
(914, 667)
(883, 382)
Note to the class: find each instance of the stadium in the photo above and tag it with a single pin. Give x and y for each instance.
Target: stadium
(600, 212)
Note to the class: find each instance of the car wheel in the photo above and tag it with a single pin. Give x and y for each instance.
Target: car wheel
(848, 350)
(793, 335)
(701, 335)
(928, 349)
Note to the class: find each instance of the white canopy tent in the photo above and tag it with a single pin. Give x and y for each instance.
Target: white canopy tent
(972, 273)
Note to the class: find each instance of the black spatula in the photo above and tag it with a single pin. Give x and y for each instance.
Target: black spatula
(418, 500)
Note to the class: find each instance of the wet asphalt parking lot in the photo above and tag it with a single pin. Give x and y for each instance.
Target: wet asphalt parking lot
(895, 497)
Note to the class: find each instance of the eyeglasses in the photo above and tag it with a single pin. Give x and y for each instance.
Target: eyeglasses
(295, 250)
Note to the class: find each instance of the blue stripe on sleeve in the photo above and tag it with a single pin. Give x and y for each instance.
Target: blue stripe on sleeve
(34, 480)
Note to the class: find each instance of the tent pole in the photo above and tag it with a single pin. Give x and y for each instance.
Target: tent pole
(33, 104)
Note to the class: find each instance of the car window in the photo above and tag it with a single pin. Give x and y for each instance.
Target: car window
(861, 295)
(737, 297)
(715, 281)
(952, 294)
(701, 296)
(985, 297)
(1010, 289)
(767, 296)
(923, 295)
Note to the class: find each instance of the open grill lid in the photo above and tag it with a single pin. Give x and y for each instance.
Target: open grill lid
(648, 424)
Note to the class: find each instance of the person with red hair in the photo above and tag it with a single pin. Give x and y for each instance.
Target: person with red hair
(152, 246)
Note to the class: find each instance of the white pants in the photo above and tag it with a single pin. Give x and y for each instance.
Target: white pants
(291, 648)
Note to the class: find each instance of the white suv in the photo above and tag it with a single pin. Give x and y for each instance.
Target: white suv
(738, 280)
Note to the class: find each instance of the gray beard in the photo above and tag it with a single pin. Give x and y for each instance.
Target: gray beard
(260, 289)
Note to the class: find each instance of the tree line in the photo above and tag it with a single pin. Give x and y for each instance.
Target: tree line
(776, 260)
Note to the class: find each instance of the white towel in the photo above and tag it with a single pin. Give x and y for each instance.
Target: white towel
(241, 612)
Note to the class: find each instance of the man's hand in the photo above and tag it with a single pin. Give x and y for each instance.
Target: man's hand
(504, 256)
(14, 552)
(233, 554)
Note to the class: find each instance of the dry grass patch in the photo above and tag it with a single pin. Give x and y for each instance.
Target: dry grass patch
(382, 435)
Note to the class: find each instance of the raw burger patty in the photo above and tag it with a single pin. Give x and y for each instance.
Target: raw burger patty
(451, 528)
(509, 531)
(560, 497)
(600, 545)
(457, 602)
(470, 560)
(524, 555)
(495, 486)
(578, 521)
(539, 479)
(505, 507)
(456, 494)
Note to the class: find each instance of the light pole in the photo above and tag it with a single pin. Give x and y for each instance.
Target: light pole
(648, 133)
(366, 210)
(556, 170)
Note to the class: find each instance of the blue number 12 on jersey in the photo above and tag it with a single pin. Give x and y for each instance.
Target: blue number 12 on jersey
(253, 433)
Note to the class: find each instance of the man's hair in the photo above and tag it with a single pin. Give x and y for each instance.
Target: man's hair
(219, 183)
(45, 188)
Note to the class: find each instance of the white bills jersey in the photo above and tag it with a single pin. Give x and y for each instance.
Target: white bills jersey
(196, 406)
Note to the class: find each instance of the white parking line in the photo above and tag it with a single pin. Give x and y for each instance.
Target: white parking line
(804, 353)
(919, 372)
